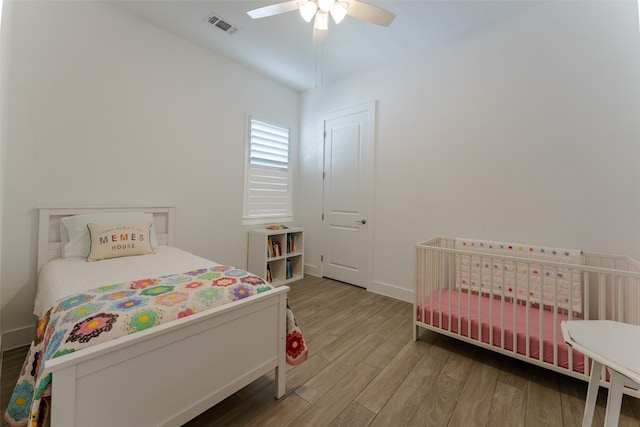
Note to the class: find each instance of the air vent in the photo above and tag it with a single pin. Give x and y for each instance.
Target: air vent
(216, 21)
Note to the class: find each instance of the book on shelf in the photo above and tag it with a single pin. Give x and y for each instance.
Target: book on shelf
(291, 243)
(289, 269)
(269, 276)
(274, 248)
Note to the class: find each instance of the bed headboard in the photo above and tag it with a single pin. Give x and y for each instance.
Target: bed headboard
(49, 226)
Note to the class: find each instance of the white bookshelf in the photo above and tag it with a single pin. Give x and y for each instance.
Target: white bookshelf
(277, 255)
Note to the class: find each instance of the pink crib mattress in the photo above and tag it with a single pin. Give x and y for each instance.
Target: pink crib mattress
(456, 316)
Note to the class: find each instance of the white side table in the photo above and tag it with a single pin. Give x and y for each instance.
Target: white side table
(615, 345)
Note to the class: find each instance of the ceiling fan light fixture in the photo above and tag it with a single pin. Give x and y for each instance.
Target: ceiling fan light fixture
(339, 11)
(322, 21)
(307, 10)
(326, 5)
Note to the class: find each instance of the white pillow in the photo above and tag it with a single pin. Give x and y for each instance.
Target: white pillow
(74, 234)
(114, 241)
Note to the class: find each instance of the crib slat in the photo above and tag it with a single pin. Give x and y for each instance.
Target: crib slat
(491, 299)
(540, 327)
(555, 316)
(602, 310)
(586, 305)
(620, 312)
(502, 326)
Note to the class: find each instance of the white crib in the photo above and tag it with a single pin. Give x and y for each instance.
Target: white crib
(513, 304)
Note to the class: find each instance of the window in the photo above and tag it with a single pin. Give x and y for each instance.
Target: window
(267, 190)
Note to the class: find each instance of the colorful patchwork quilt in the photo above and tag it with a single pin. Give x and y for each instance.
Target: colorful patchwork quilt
(112, 311)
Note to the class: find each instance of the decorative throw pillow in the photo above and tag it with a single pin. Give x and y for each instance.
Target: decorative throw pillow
(74, 235)
(112, 241)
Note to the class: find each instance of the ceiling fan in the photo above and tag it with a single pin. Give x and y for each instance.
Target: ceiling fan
(322, 9)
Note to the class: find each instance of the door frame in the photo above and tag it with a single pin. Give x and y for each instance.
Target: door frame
(370, 108)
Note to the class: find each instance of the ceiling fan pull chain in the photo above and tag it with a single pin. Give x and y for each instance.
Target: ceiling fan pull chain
(319, 65)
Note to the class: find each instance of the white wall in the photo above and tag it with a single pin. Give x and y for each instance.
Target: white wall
(5, 11)
(527, 131)
(105, 109)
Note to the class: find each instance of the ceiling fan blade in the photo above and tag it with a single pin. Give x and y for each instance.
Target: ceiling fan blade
(370, 13)
(274, 9)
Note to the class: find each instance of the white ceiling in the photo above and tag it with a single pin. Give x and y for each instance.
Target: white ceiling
(282, 48)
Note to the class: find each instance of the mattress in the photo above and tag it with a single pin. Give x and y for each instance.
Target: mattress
(66, 276)
(455, 314)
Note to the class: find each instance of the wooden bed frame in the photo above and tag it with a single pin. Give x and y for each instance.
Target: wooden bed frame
(171, 373)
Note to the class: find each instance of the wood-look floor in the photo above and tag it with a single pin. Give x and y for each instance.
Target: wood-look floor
(364, 369)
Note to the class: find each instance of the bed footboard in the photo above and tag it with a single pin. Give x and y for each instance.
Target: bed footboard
(169, 374)
(514, 304)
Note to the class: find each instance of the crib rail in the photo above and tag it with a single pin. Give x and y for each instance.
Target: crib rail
(514, 321)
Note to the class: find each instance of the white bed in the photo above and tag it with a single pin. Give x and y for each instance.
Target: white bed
(218, 363)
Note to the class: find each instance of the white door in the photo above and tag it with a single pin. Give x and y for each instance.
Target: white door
(348, 185)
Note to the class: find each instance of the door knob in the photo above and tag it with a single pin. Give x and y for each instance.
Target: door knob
(362, 221)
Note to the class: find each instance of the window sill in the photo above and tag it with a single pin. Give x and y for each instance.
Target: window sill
(265, 220)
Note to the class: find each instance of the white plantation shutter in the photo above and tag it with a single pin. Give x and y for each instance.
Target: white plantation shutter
(267, 186)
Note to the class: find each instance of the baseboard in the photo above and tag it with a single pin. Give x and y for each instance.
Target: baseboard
(375, 287)
(312, 270)
(17, 337)
(391, 291)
